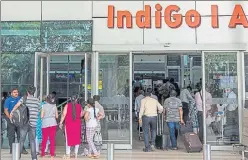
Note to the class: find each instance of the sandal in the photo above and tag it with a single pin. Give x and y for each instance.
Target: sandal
(90, 156)
(66, 157)
(96, 156)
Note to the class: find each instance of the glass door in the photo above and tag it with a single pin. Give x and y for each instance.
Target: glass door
(221, 98)
(115, 76)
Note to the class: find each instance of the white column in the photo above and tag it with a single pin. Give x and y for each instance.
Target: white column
(41, 77)
(97, 72)
(131, 96)
(36, 72)
(86, 76)
(48, 74)
(166, 67)
(241, 91)
(204, 98)
(182, 71)
(94, 74)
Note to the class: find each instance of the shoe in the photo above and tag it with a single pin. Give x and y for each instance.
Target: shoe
(152, 148)
(146, 150)
(174, 148)
(37, 153)
(24, 152)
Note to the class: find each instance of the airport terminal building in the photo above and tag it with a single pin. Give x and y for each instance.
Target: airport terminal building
(100, 47)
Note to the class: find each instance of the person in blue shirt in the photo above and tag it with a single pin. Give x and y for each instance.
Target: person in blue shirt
(9, 104)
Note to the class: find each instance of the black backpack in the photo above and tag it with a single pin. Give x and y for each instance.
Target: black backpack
(20, 116)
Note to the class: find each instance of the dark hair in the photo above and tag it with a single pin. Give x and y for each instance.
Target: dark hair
(5, 94)
(31, 90)
(96, 98)
(165, 80)
(147, 94)
(189, 88)
(149, 90)
(74, 101)
(54, 93)
(172, 80)
(14, 89)
(91, 102)
(51, 99)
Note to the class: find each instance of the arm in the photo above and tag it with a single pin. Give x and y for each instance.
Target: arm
(142, 109)
(16, 106)
(181, 114)
(56, 113)
(100, 116)
(189, 96)
(160, 107)
(63, 115)
(198, 99)
(86, 116)
(42, 113)
(6, 108)
(82, 113)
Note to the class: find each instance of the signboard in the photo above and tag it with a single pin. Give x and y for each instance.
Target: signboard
(174, 60)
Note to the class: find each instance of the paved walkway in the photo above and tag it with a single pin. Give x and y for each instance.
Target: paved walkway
(139, 155)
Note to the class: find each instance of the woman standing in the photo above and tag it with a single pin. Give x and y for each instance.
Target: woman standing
(98, 135)
(91, 116)
(72, 114)
(49, 114)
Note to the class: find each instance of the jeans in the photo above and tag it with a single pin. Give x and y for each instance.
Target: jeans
(149, 122)
(32, 139)
(200, 124)
(173, 126)
(11, 131)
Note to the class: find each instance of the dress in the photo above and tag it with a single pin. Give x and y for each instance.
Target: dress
(73, 127)
(193, 114)
(39, 124)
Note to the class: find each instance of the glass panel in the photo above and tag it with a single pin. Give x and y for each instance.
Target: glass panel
(66, 36)
(114, 75)
(246, 79)
(221, 86)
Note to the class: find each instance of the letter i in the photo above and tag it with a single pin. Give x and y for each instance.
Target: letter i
(158, 16)
(214, 16)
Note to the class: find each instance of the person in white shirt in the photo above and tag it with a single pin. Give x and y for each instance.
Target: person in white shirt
(138, 103)
(186, 98)
(231, 107)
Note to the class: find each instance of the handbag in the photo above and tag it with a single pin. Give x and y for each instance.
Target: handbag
(97, 138)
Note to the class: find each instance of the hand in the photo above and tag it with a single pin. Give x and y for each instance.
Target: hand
(61, 126)
(182, 122)
(10, 115)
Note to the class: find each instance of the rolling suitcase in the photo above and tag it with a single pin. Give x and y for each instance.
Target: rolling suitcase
(192, 142)
(163, 137)
(187, 128)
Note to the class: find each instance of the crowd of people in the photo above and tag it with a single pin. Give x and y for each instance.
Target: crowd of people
(43, 122)
(179, 106)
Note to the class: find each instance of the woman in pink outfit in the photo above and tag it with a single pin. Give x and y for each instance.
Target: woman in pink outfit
(72, 114)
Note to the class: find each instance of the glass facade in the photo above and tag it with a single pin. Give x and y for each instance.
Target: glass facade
(20, 40)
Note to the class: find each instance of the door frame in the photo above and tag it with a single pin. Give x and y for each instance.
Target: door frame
(40, 56)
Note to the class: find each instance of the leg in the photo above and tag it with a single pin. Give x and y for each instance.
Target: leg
(76, 150)
(23, 135)
(153, 126)
(37, 145)
(185, 111)
(47, 144)
(45, 133)
(31, 136)
(52, 140)
(68, 148)
(18, 139)
(171, 126)
(145, 126)
(10, 133)
(200, 123)
(90, 135)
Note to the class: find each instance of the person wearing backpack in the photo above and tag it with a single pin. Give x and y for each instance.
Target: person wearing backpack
(9, 104)
(32, 104)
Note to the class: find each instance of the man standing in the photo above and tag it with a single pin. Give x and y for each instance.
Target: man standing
(148, 118)
(9, 104)
(33, 106)
(138, 104)
(173, 116)
(186, 98)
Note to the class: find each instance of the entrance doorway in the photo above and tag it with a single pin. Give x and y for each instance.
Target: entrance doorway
(66, 74)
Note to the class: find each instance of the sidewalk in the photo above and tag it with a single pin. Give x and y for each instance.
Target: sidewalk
(139, 155)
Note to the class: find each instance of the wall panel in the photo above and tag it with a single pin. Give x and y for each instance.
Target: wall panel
(223, 34)
(66, 10)
(20, 10)
(100, 8)
(183, 34)
(225, 7)
(103, 35)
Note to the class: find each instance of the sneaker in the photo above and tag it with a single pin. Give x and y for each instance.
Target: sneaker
(24, 152)
(152, 148)
(174, 148)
